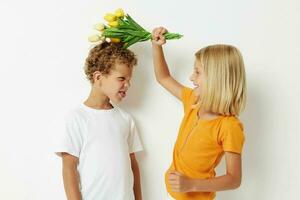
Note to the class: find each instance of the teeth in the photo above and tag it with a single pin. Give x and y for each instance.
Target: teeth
(123, 94)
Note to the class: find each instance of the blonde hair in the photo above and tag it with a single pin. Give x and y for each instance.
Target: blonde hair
(224, 90)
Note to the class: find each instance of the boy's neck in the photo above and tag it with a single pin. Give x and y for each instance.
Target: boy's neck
(98, 100)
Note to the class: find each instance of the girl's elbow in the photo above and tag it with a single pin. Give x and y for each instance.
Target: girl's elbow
(236, 183)
(161, 79)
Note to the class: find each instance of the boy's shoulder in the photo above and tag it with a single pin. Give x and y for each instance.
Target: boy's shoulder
(126, 115)
(74, 114)
(82, 111)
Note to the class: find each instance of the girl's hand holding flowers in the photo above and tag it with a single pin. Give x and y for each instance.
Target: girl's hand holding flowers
(158, 37)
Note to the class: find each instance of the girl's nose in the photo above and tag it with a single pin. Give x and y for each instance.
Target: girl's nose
(191, 77)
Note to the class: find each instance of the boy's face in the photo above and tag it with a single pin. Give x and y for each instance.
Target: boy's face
(197, 77)
(115, 84)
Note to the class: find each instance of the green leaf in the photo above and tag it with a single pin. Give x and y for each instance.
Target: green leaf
(128, 38)
(171, 36)
(146, 37)
(133, 41)
(134, 23)
(136, 33)
(121, 22)
(112, 34)
(114, 30)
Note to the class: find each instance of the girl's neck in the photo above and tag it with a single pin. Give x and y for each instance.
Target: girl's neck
(98, 100)
(203, 114)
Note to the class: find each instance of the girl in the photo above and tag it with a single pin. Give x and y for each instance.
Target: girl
(210, 127)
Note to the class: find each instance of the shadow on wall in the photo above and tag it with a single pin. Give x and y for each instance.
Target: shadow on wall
(255, 165)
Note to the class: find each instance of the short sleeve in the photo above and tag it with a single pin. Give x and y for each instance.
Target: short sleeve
(232, 136)
(186, 95)
(134, 141)
(69, 136)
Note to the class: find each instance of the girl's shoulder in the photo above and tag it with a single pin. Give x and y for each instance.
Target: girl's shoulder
(231, 122)
(187, 93)
(188, 98)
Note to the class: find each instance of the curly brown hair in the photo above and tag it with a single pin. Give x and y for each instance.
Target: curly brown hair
(104, 56)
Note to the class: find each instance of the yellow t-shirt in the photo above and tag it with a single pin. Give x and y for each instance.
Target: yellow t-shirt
(201, 144)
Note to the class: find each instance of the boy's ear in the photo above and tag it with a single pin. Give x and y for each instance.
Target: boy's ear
(97, 76)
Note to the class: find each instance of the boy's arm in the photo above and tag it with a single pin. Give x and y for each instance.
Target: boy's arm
(161, 70)
(136, 174)
(231, 180)
(71, 176)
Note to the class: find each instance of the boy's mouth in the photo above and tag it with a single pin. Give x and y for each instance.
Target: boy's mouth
(122, 94)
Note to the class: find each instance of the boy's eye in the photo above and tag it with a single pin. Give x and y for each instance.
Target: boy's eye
(121, 78)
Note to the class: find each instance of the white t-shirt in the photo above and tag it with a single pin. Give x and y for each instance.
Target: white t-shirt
(103, 141)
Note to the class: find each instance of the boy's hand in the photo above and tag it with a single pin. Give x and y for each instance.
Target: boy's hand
(158, 37)
(179, 182)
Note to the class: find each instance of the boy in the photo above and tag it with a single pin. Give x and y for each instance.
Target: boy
(100, 139)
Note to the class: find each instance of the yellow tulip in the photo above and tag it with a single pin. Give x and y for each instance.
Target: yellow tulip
(113, 24)
(110, 17)
(102, 38)
(115, 40)
(99, 27)
(94, 38)
(119, 12)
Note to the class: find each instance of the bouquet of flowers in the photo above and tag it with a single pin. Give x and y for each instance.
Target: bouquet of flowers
(122, 28)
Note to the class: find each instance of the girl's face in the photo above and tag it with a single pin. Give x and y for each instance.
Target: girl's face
(197, 77)
(115, 84)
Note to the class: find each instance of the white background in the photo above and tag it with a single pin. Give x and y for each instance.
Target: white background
(43, 45)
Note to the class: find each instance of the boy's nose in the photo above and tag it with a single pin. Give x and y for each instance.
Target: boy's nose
(127, 84)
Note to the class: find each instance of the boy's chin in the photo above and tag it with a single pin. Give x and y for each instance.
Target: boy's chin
(116, 99)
